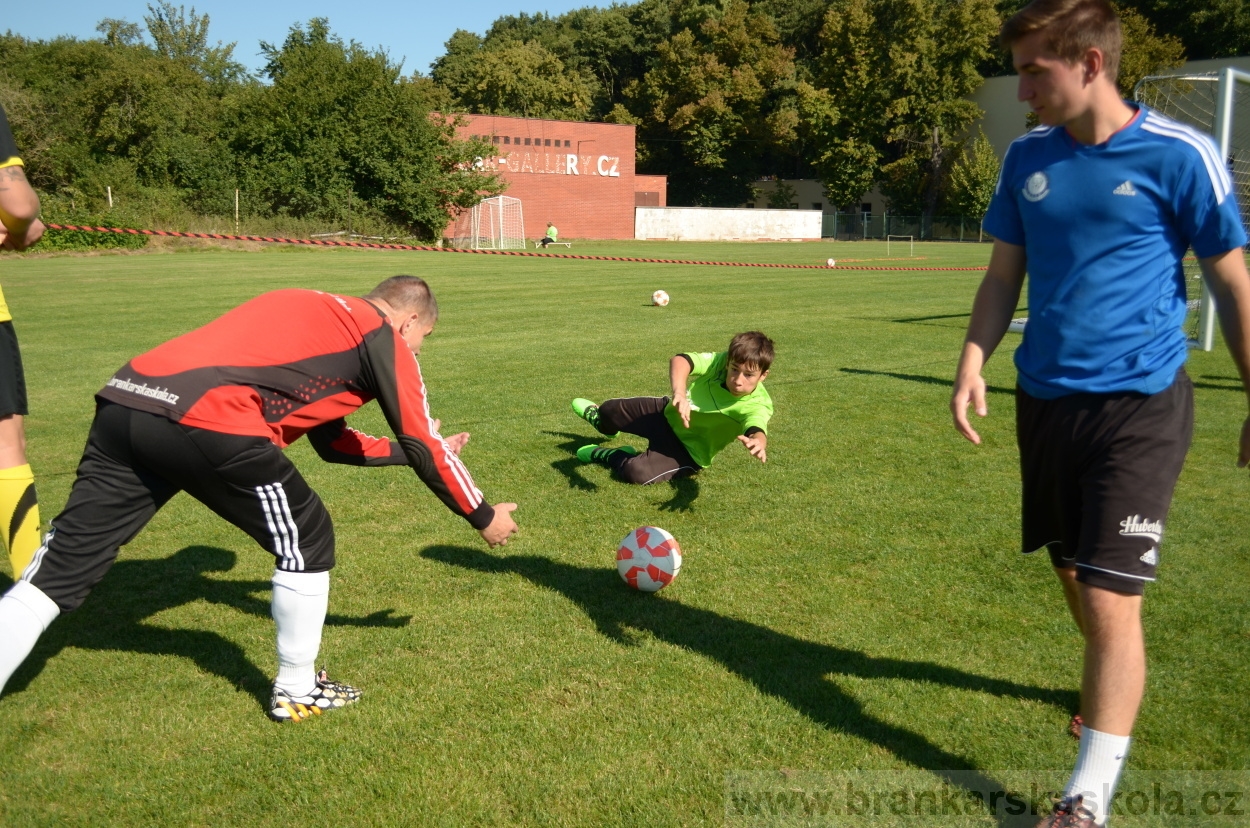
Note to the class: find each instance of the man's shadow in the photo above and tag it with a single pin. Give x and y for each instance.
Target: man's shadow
(685, 489)
(114, 618)
(788, 668)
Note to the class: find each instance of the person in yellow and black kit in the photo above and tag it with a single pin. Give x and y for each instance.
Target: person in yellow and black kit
(21, 228)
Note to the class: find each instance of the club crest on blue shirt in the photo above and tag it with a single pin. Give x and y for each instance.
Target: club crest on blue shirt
(1037, 187)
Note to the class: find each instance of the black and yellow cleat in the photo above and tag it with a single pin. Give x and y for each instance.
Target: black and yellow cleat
(326, 696)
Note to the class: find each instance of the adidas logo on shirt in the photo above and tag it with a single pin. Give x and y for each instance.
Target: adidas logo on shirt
(1125, 189)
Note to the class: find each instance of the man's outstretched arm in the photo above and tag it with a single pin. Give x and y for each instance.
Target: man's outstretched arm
(1229, 282)
(991, 314)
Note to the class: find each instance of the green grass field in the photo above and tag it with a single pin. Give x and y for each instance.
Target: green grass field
(856, 603)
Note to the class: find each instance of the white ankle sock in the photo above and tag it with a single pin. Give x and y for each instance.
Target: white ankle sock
(25, 612)
(1098, 766)
(299, 604)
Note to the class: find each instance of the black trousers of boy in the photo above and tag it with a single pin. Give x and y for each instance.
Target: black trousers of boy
(665, 458)
(135, 462)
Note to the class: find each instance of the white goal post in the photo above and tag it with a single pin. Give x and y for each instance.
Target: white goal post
(1217, 103)
(911, 244)
(493, 224)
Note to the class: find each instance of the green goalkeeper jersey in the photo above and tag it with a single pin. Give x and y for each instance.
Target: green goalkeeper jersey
(717, 417)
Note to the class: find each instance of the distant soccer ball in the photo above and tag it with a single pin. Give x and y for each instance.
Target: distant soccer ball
(659, 298)
(648, 559)
(831, 262)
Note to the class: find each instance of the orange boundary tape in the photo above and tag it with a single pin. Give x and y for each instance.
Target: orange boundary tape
(422, 248)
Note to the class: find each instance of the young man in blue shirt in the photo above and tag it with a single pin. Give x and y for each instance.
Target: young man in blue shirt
(1099, 205)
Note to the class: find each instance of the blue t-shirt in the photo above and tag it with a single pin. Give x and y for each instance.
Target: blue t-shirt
(1104, 230)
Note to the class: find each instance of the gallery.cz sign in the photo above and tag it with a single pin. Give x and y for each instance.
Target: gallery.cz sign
(552, 163)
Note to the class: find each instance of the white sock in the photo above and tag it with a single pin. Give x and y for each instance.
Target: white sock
(1098, 766)
(25, 612)
(300, 600)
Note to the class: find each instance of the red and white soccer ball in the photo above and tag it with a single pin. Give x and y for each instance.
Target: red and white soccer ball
(648, 559)
(659, 298)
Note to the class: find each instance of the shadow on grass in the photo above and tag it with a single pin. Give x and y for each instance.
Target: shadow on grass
(114, 617)
(944, 316)
(685, 490)
(788, 668)
(993, 389)
(571, 467)
(1211, 386)
(937, 318)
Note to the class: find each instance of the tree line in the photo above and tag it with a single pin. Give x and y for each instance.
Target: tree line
(855, 93)
(332, 131)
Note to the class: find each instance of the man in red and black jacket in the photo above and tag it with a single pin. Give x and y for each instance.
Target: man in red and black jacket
(208, 413)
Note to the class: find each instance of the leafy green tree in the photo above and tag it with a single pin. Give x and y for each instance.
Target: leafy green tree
(798, 23)
(890, 95)
(455, 70)
(113, 113)
(782, 196)
(119, 32)
(973, 178)
(1206, 29)
(1145, 51)
(842, 112)
(186, 39)
(339, 132)
(523, 79)
(716, 98)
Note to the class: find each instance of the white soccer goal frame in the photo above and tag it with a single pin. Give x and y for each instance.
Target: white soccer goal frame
(1222, 130)
(496, 223)
(911, 241)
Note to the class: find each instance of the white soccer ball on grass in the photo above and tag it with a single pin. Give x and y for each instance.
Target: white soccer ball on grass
(659, 298)
(648, 559)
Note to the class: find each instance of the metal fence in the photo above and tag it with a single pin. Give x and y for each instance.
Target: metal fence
(858, 226)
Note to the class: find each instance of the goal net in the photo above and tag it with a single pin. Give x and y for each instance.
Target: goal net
(493, 224)
(1217, 103)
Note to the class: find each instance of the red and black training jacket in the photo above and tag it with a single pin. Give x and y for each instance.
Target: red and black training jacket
(296, 362)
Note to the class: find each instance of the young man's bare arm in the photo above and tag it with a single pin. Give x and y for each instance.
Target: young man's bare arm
(1230, 284)
(678, 374)
(19, 210)
(991, 314)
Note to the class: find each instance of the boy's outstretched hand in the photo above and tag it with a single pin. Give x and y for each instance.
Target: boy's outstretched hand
(757, 444)
(682, 404)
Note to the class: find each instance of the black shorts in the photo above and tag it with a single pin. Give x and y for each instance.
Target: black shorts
(12, 377)
(666, 456)
(135, 462)
(1098, 471)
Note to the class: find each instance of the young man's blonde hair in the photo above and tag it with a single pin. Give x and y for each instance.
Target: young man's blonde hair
(1071, 27)
(407, 294)
(751, 348)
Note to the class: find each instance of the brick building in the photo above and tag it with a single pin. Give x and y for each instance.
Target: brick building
(578, 176)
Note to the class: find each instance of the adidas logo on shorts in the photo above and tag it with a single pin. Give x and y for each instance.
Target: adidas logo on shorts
(1151, 556)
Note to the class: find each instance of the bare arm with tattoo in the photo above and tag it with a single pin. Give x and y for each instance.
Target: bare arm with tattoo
(19, 210)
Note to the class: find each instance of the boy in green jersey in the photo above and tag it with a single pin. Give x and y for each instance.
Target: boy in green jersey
(726, 401)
